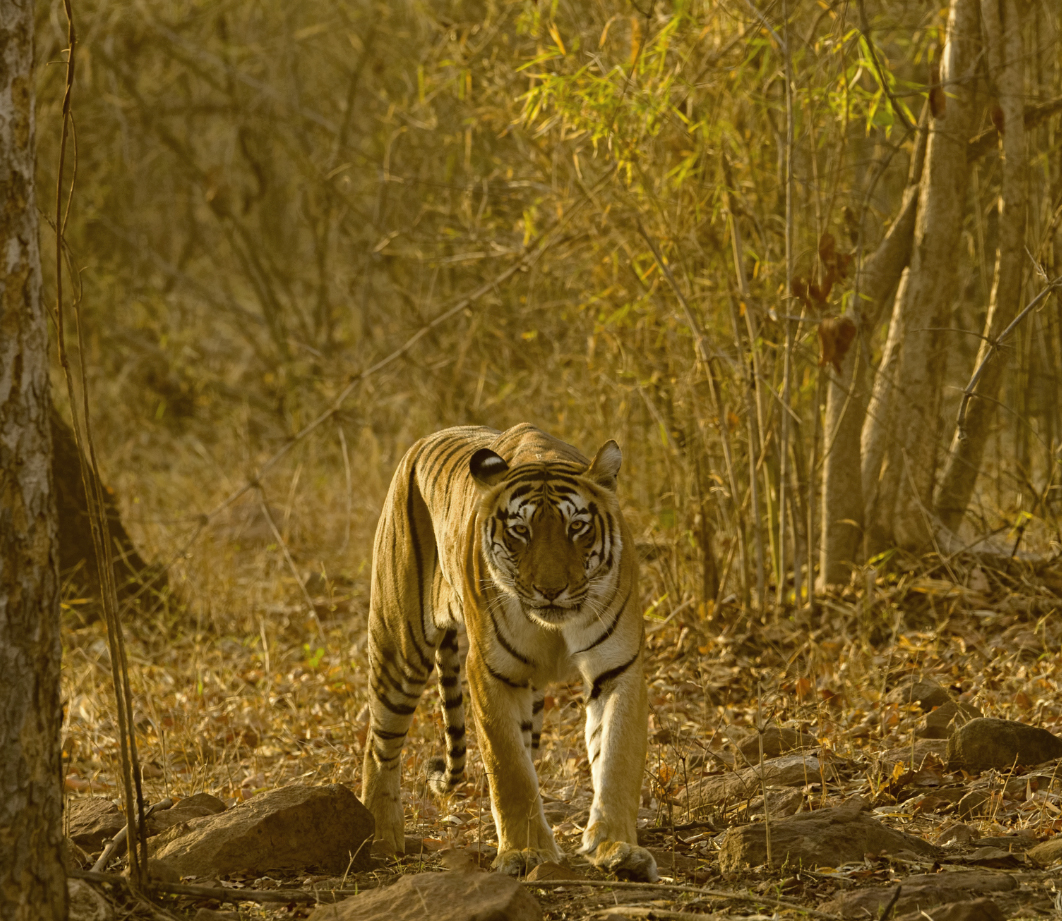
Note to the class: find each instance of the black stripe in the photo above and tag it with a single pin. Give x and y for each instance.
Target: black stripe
(526, 726)
(387, 736)
(537, 706)
(459, 466)
(381, 759)
(611, 627)
(454, 703)
(596, 732)
(611, 675)
(424, 660)
(500, 677)
(416, 543)
(458, 751)
(438, 469)
(455, 732)
(397, 709)
(449, 681)
(505, 644)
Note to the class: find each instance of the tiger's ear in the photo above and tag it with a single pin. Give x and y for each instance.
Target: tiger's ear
(487, 468)
(605, 466)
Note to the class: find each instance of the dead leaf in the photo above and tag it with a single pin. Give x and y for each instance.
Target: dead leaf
(835, 336)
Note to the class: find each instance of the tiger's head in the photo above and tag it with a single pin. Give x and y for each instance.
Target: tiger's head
(550, 531)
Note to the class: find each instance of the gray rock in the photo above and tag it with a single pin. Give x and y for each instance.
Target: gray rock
(293, 828)
(823, 838)
(973, 910)
(940, 723)
(927, 694)
(441, 897)
(921, 892)
(776, 741)
(787, 771)
(916, 754)
(1047, 852)
(86, 904)
(993, 743)
(93, 821)
(191, 807)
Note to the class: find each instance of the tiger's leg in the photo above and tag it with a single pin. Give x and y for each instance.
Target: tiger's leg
(444, 775)
(402, 643)
(616, 741)
(524, 837)
(537, 707)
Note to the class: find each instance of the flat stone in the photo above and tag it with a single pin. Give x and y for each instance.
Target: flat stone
(939, 723)
(441, 897)
(293, 828)
(972, 910)
(1047, 852)
(993, 743)
(93, 821)
(823, 838)
(191, 807)
(927, 694)
(747, 784)
(915, 755)
(86, 904)
(776, 741)
(551, 870)
(920, 893)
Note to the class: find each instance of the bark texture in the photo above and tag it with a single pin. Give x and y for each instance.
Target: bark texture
(1003, 31)
(32, 880)
(847, 396)
(902, 511)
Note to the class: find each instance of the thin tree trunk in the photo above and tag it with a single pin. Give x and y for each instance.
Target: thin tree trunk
(843, 485)
(32, 879)
(904, 499)
(1006, 73)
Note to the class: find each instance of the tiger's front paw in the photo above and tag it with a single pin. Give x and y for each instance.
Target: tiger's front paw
(625, 860)
(521, 862)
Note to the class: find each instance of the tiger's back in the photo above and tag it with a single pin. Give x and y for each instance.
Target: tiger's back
(516, 538)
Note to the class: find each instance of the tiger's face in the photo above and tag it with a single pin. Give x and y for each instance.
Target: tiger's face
(549, 531)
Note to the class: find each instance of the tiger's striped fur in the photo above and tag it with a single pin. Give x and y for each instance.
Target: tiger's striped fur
(516, 542)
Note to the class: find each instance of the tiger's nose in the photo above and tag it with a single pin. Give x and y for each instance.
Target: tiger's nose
(549, 593)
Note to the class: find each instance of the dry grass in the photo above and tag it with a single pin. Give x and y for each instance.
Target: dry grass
(241, 688)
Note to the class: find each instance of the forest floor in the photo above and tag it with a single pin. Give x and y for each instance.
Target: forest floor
(277, 696)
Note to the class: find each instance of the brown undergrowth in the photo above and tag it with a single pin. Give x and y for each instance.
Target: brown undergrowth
(241, 687)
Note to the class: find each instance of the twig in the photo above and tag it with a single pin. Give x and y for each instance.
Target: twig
(892, 904)
(115, 844)
(720, 894)
(93, 485)
(968, 392)
(307, 895)
(864, 29)
(287, 556)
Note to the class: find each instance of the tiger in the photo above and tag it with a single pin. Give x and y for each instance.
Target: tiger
(514, 543)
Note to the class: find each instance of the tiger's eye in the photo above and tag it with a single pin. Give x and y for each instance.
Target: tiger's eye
(520, 530)
(577, 526)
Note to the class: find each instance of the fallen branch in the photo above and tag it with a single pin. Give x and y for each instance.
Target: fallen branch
(115, 844)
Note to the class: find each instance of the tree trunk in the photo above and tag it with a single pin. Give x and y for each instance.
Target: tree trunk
(902, 511)
(847, 397)
(32, 879)
(1003, 30)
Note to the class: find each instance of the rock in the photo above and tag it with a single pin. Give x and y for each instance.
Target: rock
(823, 838)
(787, 771)
(975, 803)
(207, 914)
(921, 892)
(958, 835)
(1047, 852)
(993, 743)
(451, 897)
(939, 723)
(293, 828)
(927, 694)
(995, 857)
(1015, 844)
(776, 741)
(74, 856)
(971, 910)
(916, 754)
(780, 802)
(93, 821)
(670, 863)
(551, 870)
(86, 904)
(191, 807)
